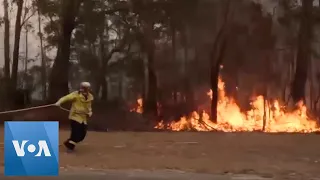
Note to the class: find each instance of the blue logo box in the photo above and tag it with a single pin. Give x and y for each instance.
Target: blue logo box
(31, 148)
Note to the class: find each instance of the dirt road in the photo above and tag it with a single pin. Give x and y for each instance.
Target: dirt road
(140, 175)
(271, 156)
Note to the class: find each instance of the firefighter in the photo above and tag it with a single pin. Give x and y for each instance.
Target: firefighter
(80, 112)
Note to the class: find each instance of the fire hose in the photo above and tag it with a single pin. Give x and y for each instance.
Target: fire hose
(33, 108)
(36, 107)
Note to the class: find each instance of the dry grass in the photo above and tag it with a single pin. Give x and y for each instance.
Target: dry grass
(197, 152)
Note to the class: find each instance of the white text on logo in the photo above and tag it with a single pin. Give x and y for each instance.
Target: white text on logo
(42, 144)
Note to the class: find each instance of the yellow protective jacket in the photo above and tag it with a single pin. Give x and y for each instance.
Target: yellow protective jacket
(80, 106)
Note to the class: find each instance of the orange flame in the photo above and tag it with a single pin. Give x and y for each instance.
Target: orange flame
(263, 116)
(139, 107)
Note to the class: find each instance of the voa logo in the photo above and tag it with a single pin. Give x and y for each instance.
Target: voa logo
(31, 148)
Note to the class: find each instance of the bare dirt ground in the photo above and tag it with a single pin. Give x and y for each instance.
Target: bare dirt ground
(281, 156)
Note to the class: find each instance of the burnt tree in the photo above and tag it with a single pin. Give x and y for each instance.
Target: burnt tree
(149, 46)
(304, 52)
(217, 53)
(216, 58)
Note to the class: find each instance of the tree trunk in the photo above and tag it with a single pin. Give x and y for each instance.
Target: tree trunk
(151, 101)
(215, 71)
(151, 106)
(120, 85)
(216, 58)
(145, 81)
(311, 85)
(304, 52)
(27, 51)
(26, 60)
(265, 101)
(173, 44)
(16, 47)
(60, 71)
(43, 62)
(187, 80)
(102, 84)
(104, 90)
(6, 43)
